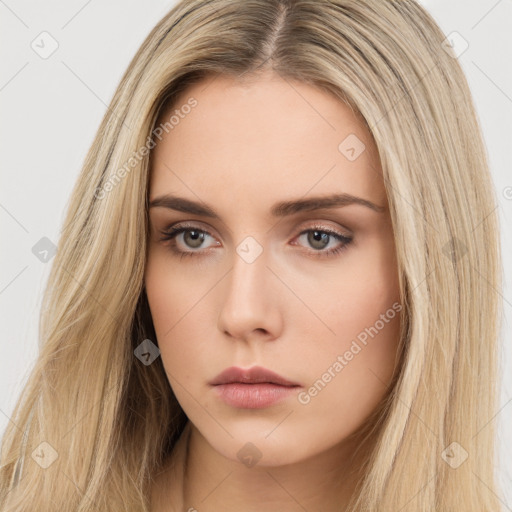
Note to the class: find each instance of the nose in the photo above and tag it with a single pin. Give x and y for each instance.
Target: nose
(250, 306)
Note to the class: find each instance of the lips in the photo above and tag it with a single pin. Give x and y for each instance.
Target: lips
(253, 388)
(254, 375)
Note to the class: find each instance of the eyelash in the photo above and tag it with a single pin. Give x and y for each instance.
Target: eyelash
(171, 233)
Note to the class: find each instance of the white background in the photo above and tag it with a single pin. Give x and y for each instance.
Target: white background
(51, 109)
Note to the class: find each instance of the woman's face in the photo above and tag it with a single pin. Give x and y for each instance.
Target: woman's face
(283, 263)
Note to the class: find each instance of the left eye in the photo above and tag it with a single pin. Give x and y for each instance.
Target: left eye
(319, 239)
(193, 238)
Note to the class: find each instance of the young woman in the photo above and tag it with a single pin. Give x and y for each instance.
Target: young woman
(275, 285)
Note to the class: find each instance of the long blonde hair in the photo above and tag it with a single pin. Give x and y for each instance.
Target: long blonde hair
(111, 420)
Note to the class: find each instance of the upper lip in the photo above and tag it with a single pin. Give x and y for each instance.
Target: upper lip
(254, 375)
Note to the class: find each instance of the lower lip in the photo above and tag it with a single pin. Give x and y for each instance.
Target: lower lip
(253, 396)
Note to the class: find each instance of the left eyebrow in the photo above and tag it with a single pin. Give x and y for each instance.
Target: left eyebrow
(280, 209)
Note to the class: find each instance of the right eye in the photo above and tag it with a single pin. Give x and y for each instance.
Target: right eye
(182, 238)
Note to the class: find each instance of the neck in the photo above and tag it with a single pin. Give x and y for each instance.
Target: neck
(324, 482)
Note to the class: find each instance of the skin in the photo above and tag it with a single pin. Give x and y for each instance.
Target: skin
(243, 148)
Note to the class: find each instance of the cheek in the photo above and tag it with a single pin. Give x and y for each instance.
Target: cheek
(178, 301)
(357, 291)
(349, 375)
(172, 295)
(355, 362)
(170, 301)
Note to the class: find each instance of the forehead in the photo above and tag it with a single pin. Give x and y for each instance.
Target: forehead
(267, 138)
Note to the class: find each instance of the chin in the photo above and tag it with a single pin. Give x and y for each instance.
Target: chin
(261, 444)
